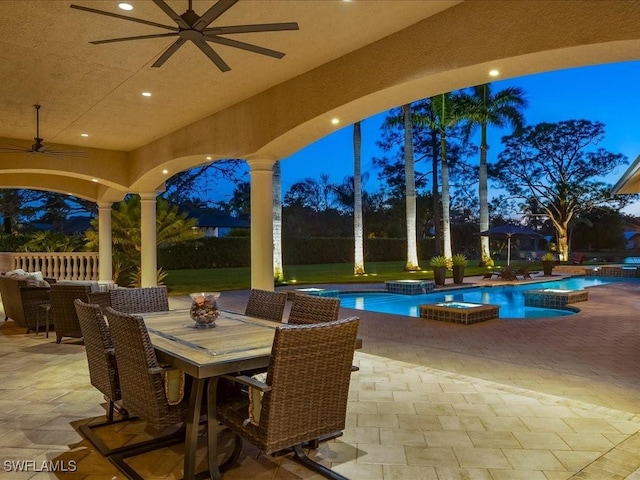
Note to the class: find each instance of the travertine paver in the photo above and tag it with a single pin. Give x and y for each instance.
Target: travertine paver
(528, 399)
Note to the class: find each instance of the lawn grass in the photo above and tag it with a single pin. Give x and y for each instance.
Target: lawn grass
(182, 282)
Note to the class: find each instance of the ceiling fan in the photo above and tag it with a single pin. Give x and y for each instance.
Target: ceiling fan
(40, 148)
(193, 27)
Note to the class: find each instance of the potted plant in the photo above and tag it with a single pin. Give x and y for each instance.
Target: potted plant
(459, 261)
(548, 261)
(439, 264)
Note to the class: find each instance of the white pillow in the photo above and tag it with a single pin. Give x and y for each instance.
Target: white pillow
(37, 275)
(16, 273)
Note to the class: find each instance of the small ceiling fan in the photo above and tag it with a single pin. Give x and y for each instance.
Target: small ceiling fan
(193, 27)
(40, 148)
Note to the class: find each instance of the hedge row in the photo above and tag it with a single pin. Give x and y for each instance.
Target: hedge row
(236, 252)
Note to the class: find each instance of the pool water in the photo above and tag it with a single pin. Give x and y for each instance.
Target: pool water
(510, 298)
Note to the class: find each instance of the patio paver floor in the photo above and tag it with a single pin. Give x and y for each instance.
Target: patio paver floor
(506, 399)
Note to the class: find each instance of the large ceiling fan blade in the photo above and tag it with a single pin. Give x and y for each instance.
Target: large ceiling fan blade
(139, 37)
(172, 14)
(260, 27)
(65, 153)
(210, 52)
(124, 17)
(214, 12)
(14, 149)
(244, 46)
(168, 52)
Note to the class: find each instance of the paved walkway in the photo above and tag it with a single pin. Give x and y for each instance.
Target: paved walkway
(534, 399)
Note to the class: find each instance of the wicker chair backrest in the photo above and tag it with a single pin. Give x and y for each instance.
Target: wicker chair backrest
(103, 369)
(309, 374)
(266, 305)
(63, 309)
(139, 300)
(142, 390)
(310, 309)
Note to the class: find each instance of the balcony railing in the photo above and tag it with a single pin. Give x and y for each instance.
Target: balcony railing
(57, 265)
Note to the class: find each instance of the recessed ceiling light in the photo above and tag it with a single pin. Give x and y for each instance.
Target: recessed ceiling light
(165, 171)
(146, 94)
(494, 73)
(84, 134)
(95, 180)
(125, 6)
(208, 158)
(335, 121)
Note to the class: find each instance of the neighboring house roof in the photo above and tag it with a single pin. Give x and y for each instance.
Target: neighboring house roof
(221, 221)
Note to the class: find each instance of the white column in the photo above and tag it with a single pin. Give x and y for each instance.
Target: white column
(148, 245)
(262, 222)
(105, 241)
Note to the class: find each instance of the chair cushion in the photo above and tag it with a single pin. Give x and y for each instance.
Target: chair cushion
(255, 399)
(173, 385)
(33, 279)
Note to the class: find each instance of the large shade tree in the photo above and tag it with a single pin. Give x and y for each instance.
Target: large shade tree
(484, 108)
(559, 166)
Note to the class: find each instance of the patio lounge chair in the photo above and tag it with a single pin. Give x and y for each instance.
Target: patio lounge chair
(523, 272)
(508, 274)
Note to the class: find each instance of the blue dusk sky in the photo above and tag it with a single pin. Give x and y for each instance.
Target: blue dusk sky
(605, 93)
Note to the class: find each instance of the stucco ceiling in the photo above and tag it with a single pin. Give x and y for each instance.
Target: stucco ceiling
(46, 59)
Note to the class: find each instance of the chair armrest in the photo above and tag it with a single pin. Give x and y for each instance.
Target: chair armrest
(248, 381)
(160, 369)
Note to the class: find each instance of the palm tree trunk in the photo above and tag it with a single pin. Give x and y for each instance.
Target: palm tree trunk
(483, 195)
(358, 234)
(483, 188)
(437, 225)
(446, 221)
(278, 271)
(410, 188)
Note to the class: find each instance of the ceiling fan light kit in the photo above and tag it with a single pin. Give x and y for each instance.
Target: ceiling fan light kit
(191, 27)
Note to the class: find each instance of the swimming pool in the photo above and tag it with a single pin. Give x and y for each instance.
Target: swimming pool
(510, 298)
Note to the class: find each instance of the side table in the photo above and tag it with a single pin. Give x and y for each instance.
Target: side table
(43, 312)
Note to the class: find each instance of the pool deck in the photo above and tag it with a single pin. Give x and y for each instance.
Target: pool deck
(551, 399)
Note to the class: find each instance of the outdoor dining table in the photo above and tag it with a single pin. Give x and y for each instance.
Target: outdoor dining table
(237, 343)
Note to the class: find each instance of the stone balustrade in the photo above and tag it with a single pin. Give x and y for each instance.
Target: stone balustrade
(57, 265)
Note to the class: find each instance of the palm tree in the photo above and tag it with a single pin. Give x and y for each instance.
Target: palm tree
(483, 108)
(410, 189)
(278, 271)
(358, 233)
(446, 107)
(172, 227)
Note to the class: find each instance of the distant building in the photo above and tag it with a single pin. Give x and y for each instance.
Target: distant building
(217, 225)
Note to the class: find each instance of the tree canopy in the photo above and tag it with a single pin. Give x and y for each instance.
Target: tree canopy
(558, 166)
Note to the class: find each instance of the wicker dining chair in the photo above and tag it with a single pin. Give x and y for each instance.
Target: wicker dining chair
(103, 369)
(142, 385)
(312, 309)
(266, 305)
(140, 299)
(63, 310)
(103, 299)
(305, 393)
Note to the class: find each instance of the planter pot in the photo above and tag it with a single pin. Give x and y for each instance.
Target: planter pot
(547, 267)
(439, 274)
(458, 274)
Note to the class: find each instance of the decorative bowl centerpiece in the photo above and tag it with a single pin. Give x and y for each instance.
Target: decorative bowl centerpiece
(204, 309)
